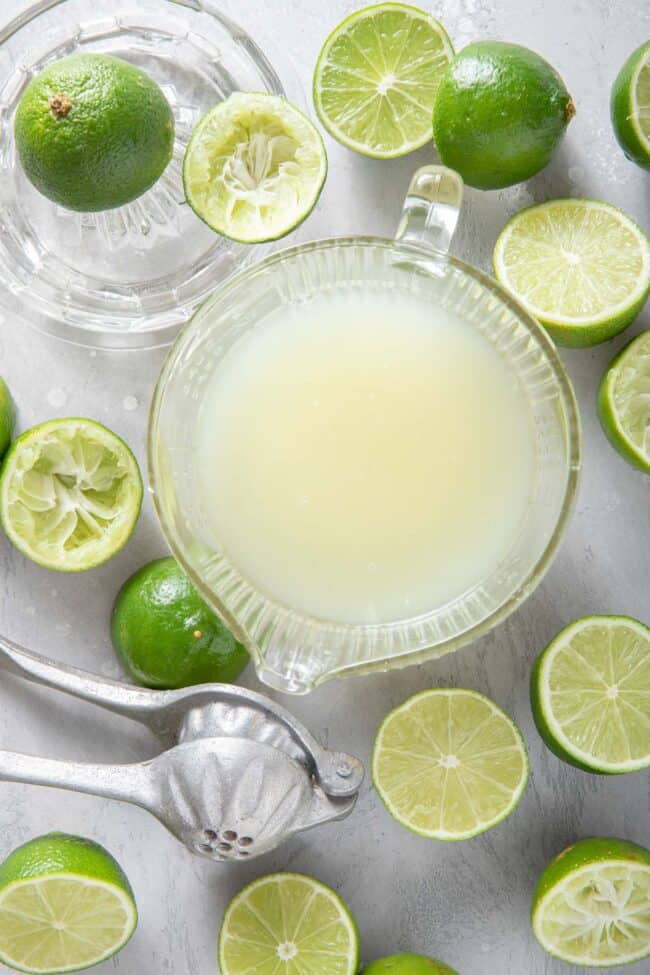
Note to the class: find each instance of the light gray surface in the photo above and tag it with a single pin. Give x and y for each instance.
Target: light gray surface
(468, 903)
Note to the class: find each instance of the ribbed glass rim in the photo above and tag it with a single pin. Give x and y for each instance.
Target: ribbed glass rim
(573, 435)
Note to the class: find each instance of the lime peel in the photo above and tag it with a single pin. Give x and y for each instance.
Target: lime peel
(254, 167)
(630, 106)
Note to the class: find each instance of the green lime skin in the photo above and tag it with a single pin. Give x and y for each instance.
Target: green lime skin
(93, 132)
(166, 635)
(621, 109)
(7, 417)
(607, 418)
(408, 965)
(500, 113)
(63, 853)
(584, 853)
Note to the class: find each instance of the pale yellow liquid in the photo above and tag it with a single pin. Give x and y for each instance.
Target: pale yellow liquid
(364, 458)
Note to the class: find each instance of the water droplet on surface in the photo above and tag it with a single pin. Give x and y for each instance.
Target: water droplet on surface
(130, 403)
(57, 396)
(576, 173)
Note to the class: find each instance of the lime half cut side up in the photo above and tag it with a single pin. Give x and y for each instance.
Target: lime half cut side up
(590, 694)
(70, 494)
(630, 106)
(592, 904)
(288, 924)
(449, 764)
(581, 267)
(254, 167)
(624, 402)
(377, 76)
(65, 905)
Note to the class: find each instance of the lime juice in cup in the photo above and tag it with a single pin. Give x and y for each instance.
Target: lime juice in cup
(363, 451)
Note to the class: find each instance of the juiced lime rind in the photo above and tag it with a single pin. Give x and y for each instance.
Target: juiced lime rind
(60, 859)
(515, 744)
(629, 255)
(334, 962)
(89, 487)
(254, 167)
(583, 862)
(624, 402)
(551, 730)
(111, 146)
(7, 417)
(630, 106)
(500, 113)
(423, 78)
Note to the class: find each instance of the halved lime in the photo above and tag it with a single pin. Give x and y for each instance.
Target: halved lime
(254, 167)
(7, 417)
(449, 764)
(590, 693)
(630, 106)
(288, 924)
(581, 267)
(70, 494)
(377, 76)
(65, 904)
(624, 402)
(592, 904)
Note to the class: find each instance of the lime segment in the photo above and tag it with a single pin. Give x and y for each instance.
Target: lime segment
(624, 402)
(288, 924)
(592, 904)
(590, 692)
(70, 494)
(630, 106)
(377, 76)
(449, 764)
(64, 905)
(580, 266)
(254, 167)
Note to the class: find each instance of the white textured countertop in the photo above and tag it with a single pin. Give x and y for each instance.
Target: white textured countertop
(466, 903)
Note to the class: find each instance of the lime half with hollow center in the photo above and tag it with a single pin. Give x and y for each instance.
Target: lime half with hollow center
(288, 924)
(377, 77)
(624, 402)
(70, 494)
(592, 904)
(254, 167)
(581, 267)
(65, 904)
(630, 106)
(590, 694)
(449, 764)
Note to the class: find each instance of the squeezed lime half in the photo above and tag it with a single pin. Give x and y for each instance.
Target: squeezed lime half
(254, 167)
(70, 494)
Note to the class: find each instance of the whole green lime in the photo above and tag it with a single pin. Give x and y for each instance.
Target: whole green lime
(93, 132)
(407, 965)
(7, 417)
(500, 113)
(167, 636)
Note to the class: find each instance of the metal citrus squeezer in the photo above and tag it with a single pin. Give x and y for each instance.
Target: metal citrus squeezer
(239, 774)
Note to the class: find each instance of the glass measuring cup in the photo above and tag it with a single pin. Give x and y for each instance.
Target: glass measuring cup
(292, 650)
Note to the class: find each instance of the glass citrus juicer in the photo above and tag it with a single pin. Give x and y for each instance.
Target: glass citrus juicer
(322, 564)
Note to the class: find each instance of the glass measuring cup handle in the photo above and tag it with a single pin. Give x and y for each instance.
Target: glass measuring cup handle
(431, 209)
